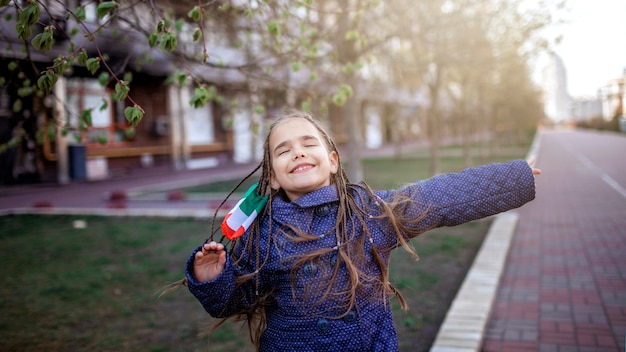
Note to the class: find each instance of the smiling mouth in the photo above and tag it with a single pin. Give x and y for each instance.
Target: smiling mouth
(301, 168)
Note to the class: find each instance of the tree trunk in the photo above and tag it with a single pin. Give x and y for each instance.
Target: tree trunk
(352, 115)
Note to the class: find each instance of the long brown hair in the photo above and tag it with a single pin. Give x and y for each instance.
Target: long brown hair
(351, 212)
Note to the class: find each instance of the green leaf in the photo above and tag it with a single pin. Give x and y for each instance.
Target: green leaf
(274, 28)
(259, 109)
(161, 26)
(17, 105)
(181, 78)
(121, 91)
(103, 79)
(80, 13)
(51, 131)
(212, 92)
(197, 34)
(296, 66)
(25, 91)
(103, 139)
(195, 14)
(105, 8)
(61, 64)
(12, 65)
(104, 105)
(13, 142)
(82, 57)
(178, 25)
(23, 30)
(129, 133)
(345, 90)
(85, 117)
(44, 40)
(47, 81)
(133, 114)
(93, 64)
(152, 39)
(339, 99)
(26, 17)
(29, 14)
(352, 35)
(168, 42)
(200, 97)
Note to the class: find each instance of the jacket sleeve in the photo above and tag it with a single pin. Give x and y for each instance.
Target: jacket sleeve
(219, 297)
(474, 193)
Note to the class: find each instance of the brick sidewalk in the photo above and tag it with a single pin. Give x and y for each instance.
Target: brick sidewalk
(564, 284)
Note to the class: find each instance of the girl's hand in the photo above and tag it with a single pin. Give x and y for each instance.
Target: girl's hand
(209, 262)
(531, 162)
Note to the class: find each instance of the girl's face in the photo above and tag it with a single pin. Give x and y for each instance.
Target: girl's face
(301, 162)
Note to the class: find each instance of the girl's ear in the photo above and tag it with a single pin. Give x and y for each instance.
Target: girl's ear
(273, 183)
(333, 157)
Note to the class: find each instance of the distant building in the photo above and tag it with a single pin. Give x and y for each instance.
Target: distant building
(586, 108)
(556, 98)
(613, 96)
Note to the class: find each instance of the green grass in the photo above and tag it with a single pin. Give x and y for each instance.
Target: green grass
(94, 288)
(69, 289)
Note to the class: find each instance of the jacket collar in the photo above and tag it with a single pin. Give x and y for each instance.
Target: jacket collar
(323, 195)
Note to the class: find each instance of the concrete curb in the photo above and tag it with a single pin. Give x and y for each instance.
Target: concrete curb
(467, 318)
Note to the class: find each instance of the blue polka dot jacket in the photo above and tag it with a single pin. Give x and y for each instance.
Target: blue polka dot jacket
(297, 320)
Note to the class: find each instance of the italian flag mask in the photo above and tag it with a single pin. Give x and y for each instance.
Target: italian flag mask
(239, 218)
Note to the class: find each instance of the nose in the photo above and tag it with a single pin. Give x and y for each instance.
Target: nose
(298, 152)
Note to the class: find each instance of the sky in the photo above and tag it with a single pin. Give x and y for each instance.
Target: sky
(594, 44)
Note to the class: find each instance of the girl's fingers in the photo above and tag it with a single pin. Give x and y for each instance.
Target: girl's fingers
(531, 161)
(212, 246)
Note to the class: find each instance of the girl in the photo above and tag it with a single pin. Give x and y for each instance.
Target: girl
(310, 273)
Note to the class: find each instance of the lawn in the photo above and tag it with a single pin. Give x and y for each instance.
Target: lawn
(67, 288)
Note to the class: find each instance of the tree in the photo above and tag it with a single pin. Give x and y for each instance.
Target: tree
(460, 50)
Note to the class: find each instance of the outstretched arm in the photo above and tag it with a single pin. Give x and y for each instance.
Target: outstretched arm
(455, 198)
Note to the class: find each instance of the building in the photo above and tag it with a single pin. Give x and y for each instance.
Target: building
(557, 101)
(613, 96)
(586, 108)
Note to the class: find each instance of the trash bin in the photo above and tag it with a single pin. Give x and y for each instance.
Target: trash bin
(78, 162)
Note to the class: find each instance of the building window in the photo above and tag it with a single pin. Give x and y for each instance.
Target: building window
(108, 122)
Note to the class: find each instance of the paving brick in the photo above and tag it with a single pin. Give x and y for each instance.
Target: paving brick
(557, 337)
(509, 346)
(606, 341)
